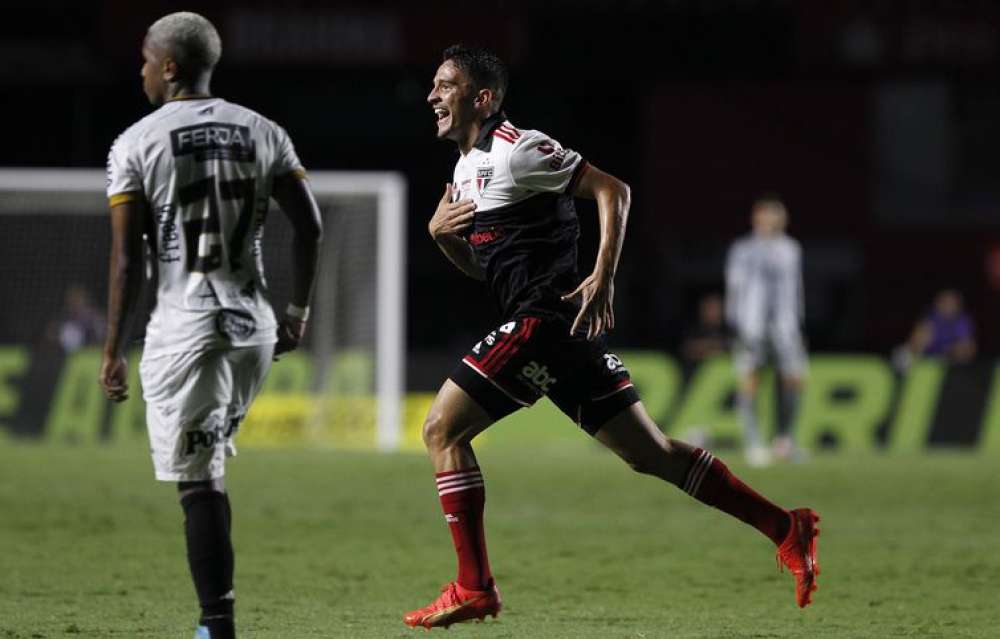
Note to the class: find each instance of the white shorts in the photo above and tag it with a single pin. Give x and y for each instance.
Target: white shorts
(786, 348)
(194, 404)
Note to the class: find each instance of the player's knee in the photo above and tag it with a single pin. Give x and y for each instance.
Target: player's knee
(185, 488)
(643, 462)
(435, 432)
(656, 460)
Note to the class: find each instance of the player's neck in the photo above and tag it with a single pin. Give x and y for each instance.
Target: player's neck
(468, 141)
(188, 91)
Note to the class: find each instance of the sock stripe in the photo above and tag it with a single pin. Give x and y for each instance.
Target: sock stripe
(448, 491)
(701, 477)
(459, 482)
(698, 472)
(455, 474)
(694, 468)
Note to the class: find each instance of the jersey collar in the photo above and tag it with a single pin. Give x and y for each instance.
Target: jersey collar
(196, 96)
(485, 140)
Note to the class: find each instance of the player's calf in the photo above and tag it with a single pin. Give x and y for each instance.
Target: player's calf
(210, 555)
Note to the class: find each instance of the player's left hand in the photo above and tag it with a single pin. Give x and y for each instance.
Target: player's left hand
(114, 372)
(597, 294)
(290, 332)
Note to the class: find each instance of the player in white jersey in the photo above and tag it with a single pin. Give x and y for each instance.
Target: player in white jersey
(195, 178)
(765, 308)
(510, 220)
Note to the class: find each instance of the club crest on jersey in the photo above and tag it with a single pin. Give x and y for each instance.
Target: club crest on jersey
(484, 175)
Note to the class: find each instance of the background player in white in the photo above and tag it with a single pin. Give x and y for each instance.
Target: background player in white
(765, 308)
(195, 177)
(510, 220)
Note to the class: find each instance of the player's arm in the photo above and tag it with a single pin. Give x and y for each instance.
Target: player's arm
(449, 221)
(124, 287)
(597, 290)
(292, 193)
(734, 280)
(800, 286)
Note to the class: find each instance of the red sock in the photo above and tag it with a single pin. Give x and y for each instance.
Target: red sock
(709, 481)
(463, 498)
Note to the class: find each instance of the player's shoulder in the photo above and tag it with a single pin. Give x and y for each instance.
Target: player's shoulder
(527, 147)
(142, 127)
(250, 116)
(522, 139)
(742, 242)
(792, 244)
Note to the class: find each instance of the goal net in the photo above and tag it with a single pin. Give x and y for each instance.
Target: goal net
(344, 387)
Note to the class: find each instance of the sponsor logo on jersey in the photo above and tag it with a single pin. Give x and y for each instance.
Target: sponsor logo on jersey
(486, 237)
(214, 141)
(235, 325)
(168, 246)
(484, 175)
(538, 375)
(548, 147)
(508, 327)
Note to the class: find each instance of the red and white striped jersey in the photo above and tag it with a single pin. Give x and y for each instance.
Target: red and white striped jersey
(508, 165)
(525, 228)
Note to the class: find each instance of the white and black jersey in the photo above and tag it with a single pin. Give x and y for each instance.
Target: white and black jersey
(765, 301)
(525, 228)
(205, 168)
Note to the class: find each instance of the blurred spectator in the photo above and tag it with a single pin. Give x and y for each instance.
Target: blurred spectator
(946, 332)
(709, 336)
(80, 323)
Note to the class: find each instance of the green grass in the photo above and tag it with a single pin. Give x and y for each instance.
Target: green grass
(340, 544)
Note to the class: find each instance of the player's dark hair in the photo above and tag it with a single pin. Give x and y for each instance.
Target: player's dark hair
(768, 197)
(484, 68)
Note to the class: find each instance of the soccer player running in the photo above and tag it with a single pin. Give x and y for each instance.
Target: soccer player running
(195, 176)
(764, 307)
(509, 219)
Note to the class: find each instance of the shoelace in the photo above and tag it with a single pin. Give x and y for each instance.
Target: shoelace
(449, 597)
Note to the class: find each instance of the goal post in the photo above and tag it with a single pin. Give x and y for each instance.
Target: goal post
(56, 235)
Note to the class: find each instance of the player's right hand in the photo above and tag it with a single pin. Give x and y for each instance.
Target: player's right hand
(290, 332)
(451, 218)
(114, 372)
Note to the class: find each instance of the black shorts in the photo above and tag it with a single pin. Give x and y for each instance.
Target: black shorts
(528, 357)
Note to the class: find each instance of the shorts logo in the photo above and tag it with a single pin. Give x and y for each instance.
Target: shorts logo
(538, 375)
(484, 175)
(614, 362)
(236, 325)
(193, 439)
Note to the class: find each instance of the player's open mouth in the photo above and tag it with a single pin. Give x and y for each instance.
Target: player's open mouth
(441, 114)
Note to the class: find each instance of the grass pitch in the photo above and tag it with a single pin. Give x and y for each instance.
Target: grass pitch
(340, 544)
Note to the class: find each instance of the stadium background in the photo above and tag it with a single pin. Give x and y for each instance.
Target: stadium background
(877, 121)
(874, 121)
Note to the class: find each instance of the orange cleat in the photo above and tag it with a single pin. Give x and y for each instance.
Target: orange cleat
(456, 604)
(798, 552)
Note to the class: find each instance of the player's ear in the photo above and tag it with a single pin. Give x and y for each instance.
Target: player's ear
(169, 69)
(484, 97)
